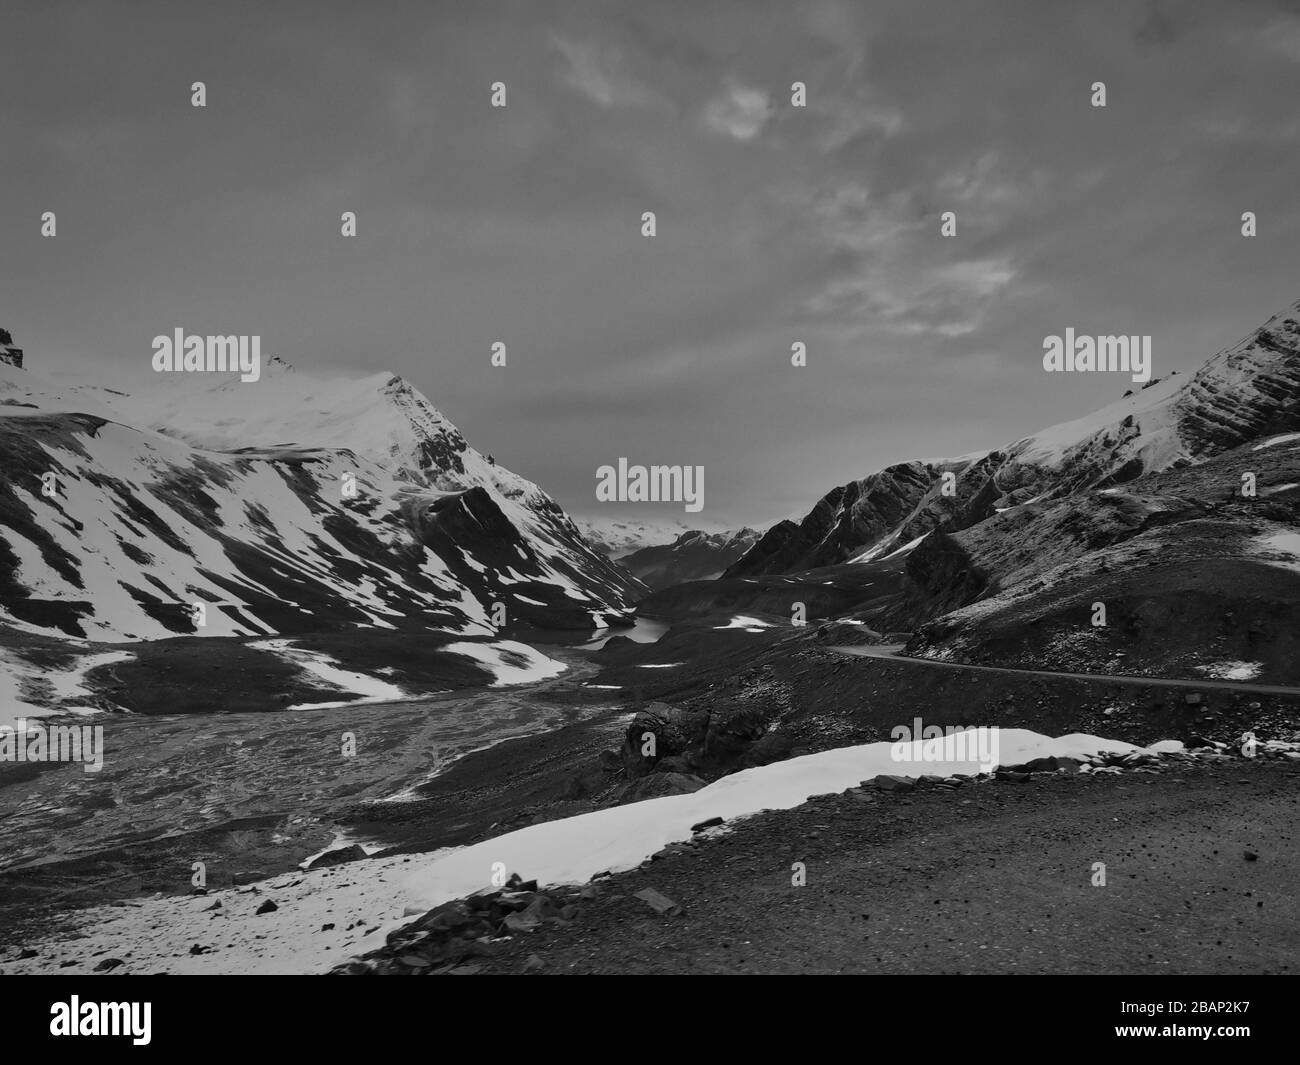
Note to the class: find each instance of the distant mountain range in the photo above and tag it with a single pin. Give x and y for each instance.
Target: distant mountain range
(693, 556)
(618, 537)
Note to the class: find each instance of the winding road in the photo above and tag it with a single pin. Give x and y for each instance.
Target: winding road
(890, 653)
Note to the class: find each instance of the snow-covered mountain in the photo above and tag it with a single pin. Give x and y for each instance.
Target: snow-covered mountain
(291, 504)
(1241, 393)
(694, 556)
(619, 537)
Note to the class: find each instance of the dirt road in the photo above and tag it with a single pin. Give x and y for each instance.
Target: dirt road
(889, 652)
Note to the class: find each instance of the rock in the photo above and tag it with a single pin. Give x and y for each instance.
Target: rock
(448, 917)
(659, 784)
(1192, 698)
(675, 730)
(27, 952)
(215, 906)
(267, 907)
(709, 823)
(928, 780)
(338, 856)
(523, 921)
(734, 727)
(1013, 775)
(658, 902)
(327, 927)
(534, 964)
(197, 949)
(108, 965)
(414, 961)
(887, 782)
(768, 748)
(1250, 856)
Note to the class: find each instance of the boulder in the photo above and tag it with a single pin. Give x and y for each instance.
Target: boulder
(338, 856)
(887, 782)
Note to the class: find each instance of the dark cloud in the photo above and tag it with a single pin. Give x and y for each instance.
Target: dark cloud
(775, 223)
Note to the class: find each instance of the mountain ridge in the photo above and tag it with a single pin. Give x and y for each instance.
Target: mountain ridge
(1243, 391)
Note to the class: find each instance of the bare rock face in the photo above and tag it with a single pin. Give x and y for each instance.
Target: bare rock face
(10, 355)
(898, 503)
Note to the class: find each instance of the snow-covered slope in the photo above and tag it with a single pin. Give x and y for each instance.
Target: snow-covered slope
(1241, 393)
(619, 537)
(203, 489)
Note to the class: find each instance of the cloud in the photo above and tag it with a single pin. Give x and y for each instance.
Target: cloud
(599, 72)
(844, 121)
(889, 290)
(1159, 27)
(984, 182)
(739, 112)
(1282, 37)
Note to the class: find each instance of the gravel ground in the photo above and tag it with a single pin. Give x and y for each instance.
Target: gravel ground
(990, 878)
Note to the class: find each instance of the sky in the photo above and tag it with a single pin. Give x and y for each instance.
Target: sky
(775, 224)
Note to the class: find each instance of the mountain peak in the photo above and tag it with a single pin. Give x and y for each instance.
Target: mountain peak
(10, 355)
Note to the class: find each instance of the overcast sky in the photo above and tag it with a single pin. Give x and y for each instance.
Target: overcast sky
(775, 223)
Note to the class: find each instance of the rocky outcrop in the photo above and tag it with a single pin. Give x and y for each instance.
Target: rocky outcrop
(10, 355)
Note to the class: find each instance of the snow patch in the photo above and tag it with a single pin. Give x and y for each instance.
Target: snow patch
(510, 661)
(329, 673)
(573, 850)
(742, 621)
(1231, 670)
(1285, 438)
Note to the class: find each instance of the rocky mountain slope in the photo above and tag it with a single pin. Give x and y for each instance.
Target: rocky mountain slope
(1243, 392)
(1196, 579)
